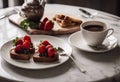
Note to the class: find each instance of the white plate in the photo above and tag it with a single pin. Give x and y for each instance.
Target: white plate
(31, 64)
(77, 40)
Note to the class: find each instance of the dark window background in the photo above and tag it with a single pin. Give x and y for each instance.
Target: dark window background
(5, 3)
(110, 6)
(118, 8)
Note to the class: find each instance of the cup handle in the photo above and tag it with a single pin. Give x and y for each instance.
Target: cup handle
(111, 30)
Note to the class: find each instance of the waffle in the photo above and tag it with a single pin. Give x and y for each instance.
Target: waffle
(66, 21)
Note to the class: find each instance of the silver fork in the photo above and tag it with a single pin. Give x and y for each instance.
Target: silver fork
(89, 15)
(79, 65)
(8, 13)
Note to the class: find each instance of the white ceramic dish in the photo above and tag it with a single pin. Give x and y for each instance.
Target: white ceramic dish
(31, 64)
(77, 40)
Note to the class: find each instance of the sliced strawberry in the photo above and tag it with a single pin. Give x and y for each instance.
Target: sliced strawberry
(26, 44)
(18, 48)
(49, 25)
(45, 20)
(45, 42)
(48, 46)
(51, 52)
(27, 38)
(42, 49)
(41, 26)
(19, 41)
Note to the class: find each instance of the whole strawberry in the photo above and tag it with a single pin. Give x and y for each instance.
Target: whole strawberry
(45, 20)
(42, 23)
(45, 42)
(49, 25)
(18, 48)
(42, 49)
(27, 38)
(26, 44)
(51, 52)
(41, 26)
(19, 41)
(48, 46)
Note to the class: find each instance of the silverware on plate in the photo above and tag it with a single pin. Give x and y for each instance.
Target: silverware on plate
(90, 15)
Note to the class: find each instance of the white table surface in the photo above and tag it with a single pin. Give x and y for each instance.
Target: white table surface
(103, 67)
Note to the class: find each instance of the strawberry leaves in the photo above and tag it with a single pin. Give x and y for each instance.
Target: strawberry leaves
(14, 41)
(26, 23)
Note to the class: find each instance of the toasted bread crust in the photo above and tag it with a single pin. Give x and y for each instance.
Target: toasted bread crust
(20, 56)
(37, 58)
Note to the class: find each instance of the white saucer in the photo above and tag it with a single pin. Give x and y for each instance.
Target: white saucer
(77, 40)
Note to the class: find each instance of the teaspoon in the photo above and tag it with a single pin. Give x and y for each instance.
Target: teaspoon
(89, 15)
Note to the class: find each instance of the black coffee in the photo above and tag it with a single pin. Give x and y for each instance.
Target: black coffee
(94, 28)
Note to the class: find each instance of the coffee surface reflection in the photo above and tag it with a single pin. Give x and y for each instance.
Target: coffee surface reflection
(94, 28)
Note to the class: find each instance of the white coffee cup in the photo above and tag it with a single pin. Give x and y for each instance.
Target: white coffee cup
(95, 32)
